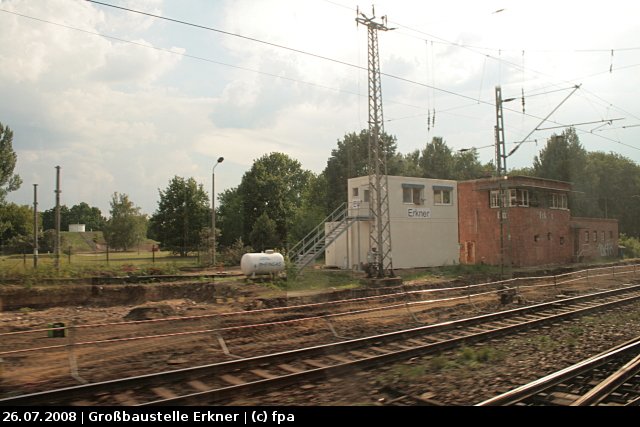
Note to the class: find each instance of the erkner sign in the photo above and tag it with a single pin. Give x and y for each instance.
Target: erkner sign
(419, 213)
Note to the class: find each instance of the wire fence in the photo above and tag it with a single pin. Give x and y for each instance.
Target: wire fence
(213, 333)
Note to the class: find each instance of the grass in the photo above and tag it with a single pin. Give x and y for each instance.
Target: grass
(21, 270)
(545, 343)
(315, 279)
(464, 359)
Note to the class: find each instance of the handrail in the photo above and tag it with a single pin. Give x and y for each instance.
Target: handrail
(299, 248)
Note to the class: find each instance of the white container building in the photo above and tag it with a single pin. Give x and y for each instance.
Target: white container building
(423, 216)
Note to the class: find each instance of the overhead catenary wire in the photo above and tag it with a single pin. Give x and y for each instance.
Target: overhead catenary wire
(432, 87)
(513, 150)
(300, 51)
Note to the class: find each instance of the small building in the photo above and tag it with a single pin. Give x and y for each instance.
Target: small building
(76, 228)
(525, 221)
(594, 238)
(423, 217)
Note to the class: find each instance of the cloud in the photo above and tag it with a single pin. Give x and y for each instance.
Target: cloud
(127, 117)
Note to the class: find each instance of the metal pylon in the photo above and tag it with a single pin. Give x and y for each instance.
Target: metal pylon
(501, 157)
(380, 232)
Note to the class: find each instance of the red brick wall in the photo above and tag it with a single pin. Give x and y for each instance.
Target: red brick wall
(602, 241)
(479, 231)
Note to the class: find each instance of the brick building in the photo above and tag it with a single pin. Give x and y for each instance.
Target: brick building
(530, 224)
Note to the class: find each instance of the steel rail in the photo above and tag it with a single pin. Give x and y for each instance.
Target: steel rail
(533, 388)
(606, 387)
(446, 335)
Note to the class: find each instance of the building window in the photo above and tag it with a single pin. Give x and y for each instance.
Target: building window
(611, 234)
(595, 236)
(520, 198)
(366, 196)
(602, 236)
(536, 237)
(442, 197)
(494, 199)
(548, 236)
(355, 192)
(412, 195)
(558, 201)
(562, 240)
(511, 197)
(586, 236)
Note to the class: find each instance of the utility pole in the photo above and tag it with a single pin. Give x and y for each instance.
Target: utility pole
(56, 249)
(501, 170)
(380, 230)
(213, 211)
(35, 225)
(501, 157)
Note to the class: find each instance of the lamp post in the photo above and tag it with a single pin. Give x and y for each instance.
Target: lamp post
(213, 210)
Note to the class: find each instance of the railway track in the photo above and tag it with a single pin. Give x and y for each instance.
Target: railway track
(611, 378)
(223, 381)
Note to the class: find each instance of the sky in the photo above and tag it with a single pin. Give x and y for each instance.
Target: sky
(123, 102)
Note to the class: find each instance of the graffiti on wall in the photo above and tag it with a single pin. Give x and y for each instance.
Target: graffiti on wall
(605, 249)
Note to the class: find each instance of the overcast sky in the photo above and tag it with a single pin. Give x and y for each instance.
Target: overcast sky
(123, 102)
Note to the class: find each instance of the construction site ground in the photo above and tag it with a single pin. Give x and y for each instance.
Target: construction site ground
(452, 378)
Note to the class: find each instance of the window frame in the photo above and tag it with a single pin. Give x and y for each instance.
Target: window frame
(439, 196)
(413, 194)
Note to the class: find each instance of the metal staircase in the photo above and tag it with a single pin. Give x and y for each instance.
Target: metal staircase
(315, 243)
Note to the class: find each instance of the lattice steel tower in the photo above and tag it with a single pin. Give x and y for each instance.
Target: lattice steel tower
(380, 233)
(501, 157)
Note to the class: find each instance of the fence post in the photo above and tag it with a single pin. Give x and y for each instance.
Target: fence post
(73, 362)
(406, 305)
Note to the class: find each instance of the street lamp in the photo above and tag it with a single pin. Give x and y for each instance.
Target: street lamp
(213, 209)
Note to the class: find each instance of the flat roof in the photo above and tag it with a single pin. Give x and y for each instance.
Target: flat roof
(521, 181)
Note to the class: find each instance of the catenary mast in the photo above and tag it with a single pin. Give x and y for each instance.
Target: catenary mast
(380, 232)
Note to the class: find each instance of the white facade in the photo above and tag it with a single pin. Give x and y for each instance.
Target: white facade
(76, 228)
(424, 224)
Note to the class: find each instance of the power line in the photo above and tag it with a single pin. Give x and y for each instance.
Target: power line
(303, 52)
(173, 52)
(475, 100)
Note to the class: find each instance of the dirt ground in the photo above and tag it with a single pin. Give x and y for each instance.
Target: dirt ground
(193, 323)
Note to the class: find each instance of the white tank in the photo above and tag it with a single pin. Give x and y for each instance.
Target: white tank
(262, 263)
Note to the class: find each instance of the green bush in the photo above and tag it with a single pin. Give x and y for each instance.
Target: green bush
(631, 244)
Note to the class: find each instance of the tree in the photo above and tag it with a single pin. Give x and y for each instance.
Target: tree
(183, 211)
(82, 213)
(8, 158)
(465, 165)
(274, 185)
(264, 234)
(49, 218)
(410, 164)
(563, 158)
(16, 227)
(127, 226)
(311, 210)
(230, 217)
(437, 160)
(351, 159)
(609, 189)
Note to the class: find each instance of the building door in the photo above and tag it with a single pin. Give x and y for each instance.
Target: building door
(470, 253)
